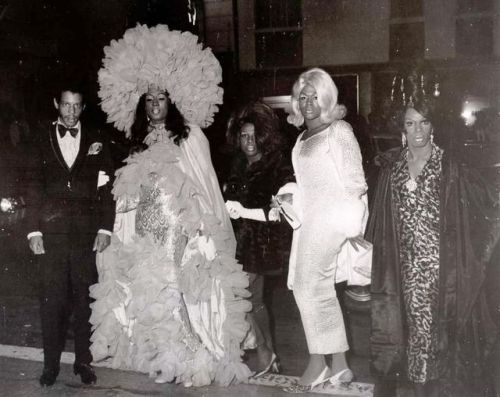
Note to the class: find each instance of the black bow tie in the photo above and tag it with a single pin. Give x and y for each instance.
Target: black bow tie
(63, 130)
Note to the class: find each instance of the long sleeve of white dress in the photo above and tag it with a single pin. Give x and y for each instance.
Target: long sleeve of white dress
(347, 156)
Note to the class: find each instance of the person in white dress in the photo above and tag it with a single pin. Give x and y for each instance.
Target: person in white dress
(329, 201)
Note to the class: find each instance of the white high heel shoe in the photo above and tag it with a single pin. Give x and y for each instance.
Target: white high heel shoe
(273, 367)
(343, 377)
(298, 388)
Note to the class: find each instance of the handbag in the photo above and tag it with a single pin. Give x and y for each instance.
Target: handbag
(289, 211)
(354, 266)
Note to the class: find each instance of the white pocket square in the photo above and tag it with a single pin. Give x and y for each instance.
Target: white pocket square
(94, 149)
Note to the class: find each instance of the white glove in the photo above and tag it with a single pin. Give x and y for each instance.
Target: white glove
(236, 211)
(234, 208)
(274, 214)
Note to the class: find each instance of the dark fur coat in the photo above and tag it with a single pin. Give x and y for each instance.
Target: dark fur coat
(262, 247)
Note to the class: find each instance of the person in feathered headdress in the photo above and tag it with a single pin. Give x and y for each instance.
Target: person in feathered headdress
(171, 297)
(433, 224)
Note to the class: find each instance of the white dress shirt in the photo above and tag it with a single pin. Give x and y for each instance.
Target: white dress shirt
(69, 145)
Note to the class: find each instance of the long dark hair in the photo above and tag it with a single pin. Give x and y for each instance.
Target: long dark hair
(268, 135)
(174, 122)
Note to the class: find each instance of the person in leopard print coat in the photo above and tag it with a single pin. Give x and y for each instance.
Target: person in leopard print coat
(433, 224)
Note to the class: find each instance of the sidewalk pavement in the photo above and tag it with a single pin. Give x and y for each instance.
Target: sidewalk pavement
(19, 377)
(21, 354)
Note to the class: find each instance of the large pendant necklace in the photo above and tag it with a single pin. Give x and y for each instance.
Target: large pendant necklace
(411, 183)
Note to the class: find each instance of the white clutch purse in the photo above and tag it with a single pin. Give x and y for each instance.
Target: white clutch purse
(286, 209)
(353, 266)
(288, 212)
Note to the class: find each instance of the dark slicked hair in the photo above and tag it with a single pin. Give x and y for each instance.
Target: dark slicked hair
(72, 85)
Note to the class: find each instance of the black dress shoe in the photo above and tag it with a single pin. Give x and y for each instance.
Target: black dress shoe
(49, 376)
(86, 372)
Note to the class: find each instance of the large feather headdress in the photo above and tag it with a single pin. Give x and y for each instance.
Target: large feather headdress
(169, 59)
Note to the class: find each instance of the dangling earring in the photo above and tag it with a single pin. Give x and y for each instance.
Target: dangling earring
(403, 140)
(432, 137)
(436, 90)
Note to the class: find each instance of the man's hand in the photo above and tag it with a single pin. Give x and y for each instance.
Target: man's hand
(36, 245)
(101, 242)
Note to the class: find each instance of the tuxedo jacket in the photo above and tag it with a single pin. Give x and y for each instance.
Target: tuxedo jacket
(67, 200)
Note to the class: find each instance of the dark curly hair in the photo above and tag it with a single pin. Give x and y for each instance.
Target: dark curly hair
(266, 123)
(175, 122)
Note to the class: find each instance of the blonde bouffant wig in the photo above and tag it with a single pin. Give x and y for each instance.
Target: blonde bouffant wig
(325, 89)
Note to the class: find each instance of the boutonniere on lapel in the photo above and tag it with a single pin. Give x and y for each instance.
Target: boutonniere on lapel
(94, 149)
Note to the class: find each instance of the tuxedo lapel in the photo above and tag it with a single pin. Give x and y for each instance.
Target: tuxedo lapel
(55, 147)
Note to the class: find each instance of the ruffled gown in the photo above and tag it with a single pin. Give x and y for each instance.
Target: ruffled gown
(170, 300)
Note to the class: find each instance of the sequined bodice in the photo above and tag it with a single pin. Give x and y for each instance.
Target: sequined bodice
(158, 216)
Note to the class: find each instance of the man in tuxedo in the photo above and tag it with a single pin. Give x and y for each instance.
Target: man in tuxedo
(71, 217)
